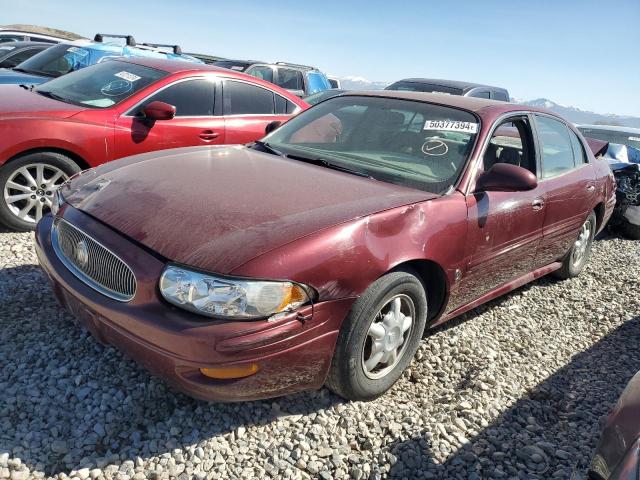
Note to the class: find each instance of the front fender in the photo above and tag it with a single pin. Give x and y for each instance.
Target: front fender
(89, 141)
(342, 261)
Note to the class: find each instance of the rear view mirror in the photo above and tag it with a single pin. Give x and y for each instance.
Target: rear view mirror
(504, 177)
(159, 111)
(271, 126)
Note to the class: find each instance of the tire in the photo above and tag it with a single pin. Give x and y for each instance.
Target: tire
(349, 376)
(577, 256)
(630, 230)
(20, 213)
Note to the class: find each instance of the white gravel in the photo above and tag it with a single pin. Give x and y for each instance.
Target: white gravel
(514, 389)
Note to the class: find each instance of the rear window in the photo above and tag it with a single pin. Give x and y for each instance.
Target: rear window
(424, 87)
(245, 99)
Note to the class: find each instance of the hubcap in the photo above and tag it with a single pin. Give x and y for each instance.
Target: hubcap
(29, 191)
(581, 244)
(388, 336)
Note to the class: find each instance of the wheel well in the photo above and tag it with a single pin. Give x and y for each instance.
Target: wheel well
(599, 211)
(81, 162)
(434, 279)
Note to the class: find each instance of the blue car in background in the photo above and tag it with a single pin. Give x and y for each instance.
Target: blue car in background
(70, 56)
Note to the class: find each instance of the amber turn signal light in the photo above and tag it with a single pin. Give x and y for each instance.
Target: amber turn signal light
(236, 371)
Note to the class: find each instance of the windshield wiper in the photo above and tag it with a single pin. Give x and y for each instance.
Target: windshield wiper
(324, 163)
(269, 148)
(52, 95)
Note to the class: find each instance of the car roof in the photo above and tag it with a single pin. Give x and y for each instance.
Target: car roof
(448, 83)
(174, 65)
(479, 106)
(612, 128)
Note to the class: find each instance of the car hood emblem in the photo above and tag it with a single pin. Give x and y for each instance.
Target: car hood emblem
(82, 254)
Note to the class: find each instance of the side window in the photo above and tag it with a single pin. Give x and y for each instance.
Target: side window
(264, 73)
(192, 98)
(284, 106)
(579, 155)
(290, 79)
(557, 153)
(498, 95)
(511, 143)
(19, 57)
(245, 99)
(483, 94)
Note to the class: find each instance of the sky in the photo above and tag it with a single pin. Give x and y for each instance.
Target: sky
(582, 53)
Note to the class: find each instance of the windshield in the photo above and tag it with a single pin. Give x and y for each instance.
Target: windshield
(413, 144)
(625, 138)
(61, 59)
(423, 87)
(101, 85)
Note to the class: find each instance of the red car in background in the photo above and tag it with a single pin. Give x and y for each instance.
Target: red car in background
(119, 108)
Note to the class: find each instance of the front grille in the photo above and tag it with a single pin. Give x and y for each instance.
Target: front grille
(92, 263)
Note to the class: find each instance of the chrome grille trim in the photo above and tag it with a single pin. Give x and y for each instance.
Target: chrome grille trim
(101, 269)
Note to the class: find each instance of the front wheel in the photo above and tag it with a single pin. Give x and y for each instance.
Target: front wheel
(575, 260)
(379, 337)
(28, 184)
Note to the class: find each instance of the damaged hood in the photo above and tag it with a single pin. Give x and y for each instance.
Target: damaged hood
(216, 208)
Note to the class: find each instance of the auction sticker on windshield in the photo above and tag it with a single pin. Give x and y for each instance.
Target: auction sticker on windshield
(449, 126)
(127, 76)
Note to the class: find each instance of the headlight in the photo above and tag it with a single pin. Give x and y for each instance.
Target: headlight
(57, 202)
(215, 296)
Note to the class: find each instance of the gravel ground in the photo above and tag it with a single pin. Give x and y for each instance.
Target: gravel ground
(514, 389)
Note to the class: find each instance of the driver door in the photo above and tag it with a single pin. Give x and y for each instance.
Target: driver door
(195, 122)
(504, 228)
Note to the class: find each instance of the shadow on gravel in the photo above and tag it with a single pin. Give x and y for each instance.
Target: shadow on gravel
(533, 438)
(66, 401)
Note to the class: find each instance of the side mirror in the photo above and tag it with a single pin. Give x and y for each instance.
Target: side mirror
(159, 111)
(271, 126)
(504, 177)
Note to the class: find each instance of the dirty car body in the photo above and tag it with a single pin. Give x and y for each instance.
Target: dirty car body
(617, 456)
(343, 195)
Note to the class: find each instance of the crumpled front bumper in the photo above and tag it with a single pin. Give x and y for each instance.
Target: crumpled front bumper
(292, 354)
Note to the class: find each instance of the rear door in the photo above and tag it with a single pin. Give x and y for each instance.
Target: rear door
(249, 108)
(196, 121)
(568, 182)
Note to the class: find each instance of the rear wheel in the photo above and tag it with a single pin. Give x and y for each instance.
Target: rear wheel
(579, 253)
(379, 337)
(28, 184)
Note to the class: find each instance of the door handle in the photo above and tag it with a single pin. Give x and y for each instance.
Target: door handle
(208, 135)
(537, 204)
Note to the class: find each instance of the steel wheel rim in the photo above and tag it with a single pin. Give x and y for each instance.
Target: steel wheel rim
(28, 193)
(388, 336)
(581, 244)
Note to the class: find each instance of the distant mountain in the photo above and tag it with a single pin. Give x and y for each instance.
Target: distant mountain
(360, 83)
(576, 115)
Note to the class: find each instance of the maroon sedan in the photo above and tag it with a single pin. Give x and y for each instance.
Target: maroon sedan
(119, 108)
(320, 254)
(617, 456)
